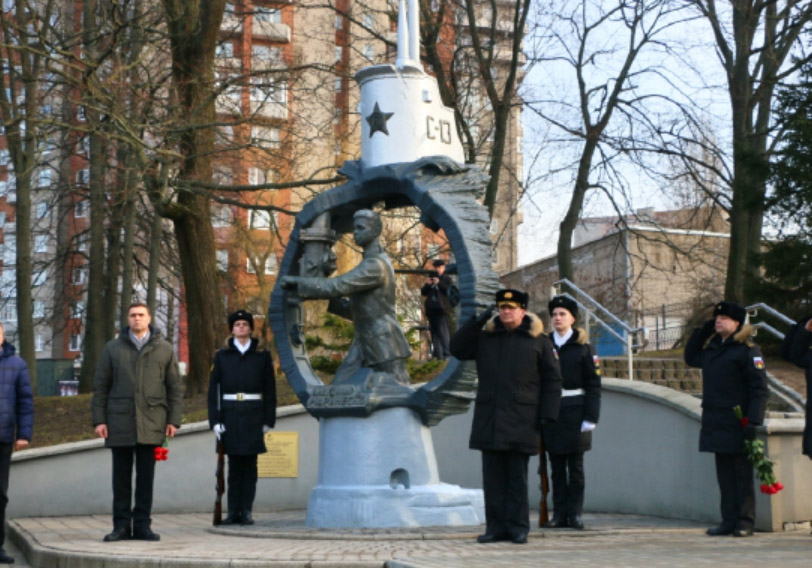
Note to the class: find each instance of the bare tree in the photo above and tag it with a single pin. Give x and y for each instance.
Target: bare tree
(605, 46)
(754, 40)
(20, 98)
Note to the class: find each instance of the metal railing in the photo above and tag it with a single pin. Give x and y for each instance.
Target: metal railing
(753, 310)
(601, 315)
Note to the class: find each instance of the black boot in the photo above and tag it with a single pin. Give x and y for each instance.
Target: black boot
(556, 523)
(247, 518)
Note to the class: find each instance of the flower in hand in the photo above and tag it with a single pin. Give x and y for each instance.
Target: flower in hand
(756, 456)
(162, 451)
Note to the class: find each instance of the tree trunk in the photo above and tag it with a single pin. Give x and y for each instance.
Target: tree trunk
(94, 328)
(193, 32)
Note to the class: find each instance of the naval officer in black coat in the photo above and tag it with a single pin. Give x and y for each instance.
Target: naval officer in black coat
(571, 436)
(518, 393)
(732, 375)
(242, 407)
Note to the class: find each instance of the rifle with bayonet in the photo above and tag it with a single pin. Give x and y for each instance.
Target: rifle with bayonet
(220, 485)
(545, 484)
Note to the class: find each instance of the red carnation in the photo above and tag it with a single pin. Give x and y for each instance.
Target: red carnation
(745, 421)
(778, 486)
(765, 488)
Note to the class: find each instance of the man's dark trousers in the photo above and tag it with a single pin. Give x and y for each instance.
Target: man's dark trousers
(5, 467)
(735, 476)
(123, 513)
(438, 326)
(504, 480)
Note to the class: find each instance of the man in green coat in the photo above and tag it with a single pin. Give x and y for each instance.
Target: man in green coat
(137, 400)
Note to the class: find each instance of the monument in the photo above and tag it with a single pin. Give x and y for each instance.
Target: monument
(377, 466)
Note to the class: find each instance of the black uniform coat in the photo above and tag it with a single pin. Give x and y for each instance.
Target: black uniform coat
(798, 350)
(578, 372)
(252, 373)
(732, 375)
(519, 382)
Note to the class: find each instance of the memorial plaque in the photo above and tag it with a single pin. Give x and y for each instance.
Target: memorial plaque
(282, 457)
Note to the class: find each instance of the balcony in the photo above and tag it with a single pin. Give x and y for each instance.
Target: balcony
(270, 31)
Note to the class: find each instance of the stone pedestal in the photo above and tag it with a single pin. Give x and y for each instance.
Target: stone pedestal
(380, 471)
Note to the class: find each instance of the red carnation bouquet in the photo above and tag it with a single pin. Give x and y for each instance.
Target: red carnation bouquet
(162, 451)
(755, 454)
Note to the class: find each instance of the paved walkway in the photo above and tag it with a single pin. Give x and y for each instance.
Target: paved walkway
(280, 540)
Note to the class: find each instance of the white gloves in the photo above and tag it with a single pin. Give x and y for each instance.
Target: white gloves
(265, 428)
(587, 426)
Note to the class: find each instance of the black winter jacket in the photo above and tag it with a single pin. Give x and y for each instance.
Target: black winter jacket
(16, 398)
(519, 382)
(732, 375)
(798, 350)
(578, 371)
(252, 373)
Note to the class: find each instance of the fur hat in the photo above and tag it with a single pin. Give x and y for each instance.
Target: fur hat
(732, 310)
(438, 262)
(240, 315)
(564, 302)
(512, 297)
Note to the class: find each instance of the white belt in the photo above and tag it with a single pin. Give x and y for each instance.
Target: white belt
(572, 392)
(242, 396)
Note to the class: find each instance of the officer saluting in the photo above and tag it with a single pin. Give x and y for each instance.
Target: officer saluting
(242, 407)
(732, 375)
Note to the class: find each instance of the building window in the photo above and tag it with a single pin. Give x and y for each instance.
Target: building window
(78, 275)
(260, 219)
(80, 209)
(75, 343)
(77, 309)
(224, 50)
(38, 279)
(222, 175)
(42, 210)
(44, 178)
(265, 14)
(369, 21)
(221, 215)
(265, 53)
(265, 136)
(81, 242)
(2, 218)
(82, 177)
(257, 176)
(249, 265)
(270, 264)
(39, 309)
(225, 134)
(41, 243)
(339, 53)
(339, 22)
(267, 89)
(39, 343)
(8, 311)
(222, 260)
(369, 51)
(337, 85)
